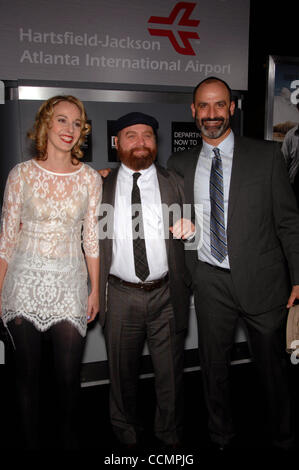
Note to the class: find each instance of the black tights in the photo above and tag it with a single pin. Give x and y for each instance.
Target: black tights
(67, 348)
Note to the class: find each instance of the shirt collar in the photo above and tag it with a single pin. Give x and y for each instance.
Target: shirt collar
(226, 146)
(128, 172)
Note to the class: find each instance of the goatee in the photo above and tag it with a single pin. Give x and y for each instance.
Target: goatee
(213, 132)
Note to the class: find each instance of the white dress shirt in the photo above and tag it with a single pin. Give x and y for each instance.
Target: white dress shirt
(122, 264)
(202, 193)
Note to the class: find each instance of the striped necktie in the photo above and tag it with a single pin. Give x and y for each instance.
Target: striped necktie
(217, 223)
(139, 249)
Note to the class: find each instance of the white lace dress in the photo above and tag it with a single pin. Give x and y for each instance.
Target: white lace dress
(45, 216)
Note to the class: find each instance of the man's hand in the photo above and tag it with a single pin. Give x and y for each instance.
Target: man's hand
(294, 295)
(183, 228)
(104, 172)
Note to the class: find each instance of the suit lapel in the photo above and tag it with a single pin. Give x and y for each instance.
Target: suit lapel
(236, 175)
(166, 192)
(164, 185)
(189, 176)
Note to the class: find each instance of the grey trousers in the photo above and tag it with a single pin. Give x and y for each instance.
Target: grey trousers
(133, 317)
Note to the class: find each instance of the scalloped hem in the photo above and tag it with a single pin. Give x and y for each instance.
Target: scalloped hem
(42, 327)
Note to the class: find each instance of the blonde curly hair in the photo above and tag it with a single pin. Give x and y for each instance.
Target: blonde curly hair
(39, 133)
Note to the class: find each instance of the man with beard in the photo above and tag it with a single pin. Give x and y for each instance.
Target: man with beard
(248, 261)
(142, 285)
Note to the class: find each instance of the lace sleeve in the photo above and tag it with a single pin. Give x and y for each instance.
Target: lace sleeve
(11, 213)
(90, 226)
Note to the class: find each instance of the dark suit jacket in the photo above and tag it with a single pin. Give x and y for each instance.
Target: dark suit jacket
(171, 189)
(263, 223)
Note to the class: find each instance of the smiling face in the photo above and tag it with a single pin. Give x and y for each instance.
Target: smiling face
(212, 110)
(65, 127)
(136, 146)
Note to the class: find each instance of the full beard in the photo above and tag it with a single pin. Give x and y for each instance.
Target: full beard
(137, 162)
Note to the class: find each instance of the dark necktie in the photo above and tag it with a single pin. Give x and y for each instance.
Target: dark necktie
(139, 249)
(217, 223)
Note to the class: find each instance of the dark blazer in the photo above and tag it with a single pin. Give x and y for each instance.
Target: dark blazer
(263, 223)
(171, 189)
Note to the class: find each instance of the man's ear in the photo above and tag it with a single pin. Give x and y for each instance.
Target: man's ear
(232, 107)
(193, 110)
(116, 142)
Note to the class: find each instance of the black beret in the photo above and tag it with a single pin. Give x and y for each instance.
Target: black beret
(135, 118)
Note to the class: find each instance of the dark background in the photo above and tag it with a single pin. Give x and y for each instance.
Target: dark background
(274, 30)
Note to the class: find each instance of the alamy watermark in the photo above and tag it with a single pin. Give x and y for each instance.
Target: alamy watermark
(170, 215)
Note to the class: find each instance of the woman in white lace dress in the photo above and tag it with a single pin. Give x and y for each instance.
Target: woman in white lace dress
(50, 204)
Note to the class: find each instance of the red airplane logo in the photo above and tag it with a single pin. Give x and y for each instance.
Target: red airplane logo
(185, 20)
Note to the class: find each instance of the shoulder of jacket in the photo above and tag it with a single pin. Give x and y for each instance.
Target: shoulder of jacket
(254, 142)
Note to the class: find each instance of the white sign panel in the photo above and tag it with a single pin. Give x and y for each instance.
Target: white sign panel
(169, 42)
(2, 92)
